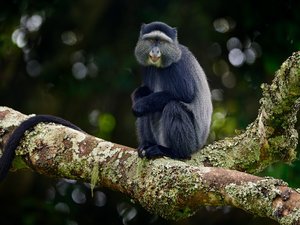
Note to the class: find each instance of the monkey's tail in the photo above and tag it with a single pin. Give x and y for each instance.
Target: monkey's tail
(14, 140)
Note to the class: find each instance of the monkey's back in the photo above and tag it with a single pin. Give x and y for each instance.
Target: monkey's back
(201, 106)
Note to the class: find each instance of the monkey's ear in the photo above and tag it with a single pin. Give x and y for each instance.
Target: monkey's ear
(174, 30)
(142, 28)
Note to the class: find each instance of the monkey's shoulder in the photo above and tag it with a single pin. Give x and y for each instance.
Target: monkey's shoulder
(186, 54)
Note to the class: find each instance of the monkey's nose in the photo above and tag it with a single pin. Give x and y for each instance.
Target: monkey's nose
(155, 54)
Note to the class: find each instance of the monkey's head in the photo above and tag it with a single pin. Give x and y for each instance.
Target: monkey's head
(157, 45)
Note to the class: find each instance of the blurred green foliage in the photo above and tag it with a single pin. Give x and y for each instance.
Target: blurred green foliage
(75, 59)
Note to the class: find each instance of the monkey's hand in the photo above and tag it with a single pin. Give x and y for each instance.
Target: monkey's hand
(151, 103)
(139, 108)
(139, 93)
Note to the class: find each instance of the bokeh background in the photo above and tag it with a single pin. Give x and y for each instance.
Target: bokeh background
(74, 59)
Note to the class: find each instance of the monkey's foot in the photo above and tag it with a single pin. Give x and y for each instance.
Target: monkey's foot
(142, 149)
(155, 151)
(141, 153)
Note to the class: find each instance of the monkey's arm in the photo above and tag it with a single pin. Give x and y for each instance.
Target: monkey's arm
(182, 89)
(139, 93)
(154, 102)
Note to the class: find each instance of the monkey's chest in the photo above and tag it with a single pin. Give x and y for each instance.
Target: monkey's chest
(157, 85)
(154, 81)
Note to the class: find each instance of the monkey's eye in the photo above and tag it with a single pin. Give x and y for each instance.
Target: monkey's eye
(156, 41)
(149, 40)
(161, 41)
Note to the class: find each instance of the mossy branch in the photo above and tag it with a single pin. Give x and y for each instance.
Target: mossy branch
(175, 189)
(272, 136)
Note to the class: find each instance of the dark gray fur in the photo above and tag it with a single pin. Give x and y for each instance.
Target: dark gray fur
(173, 106)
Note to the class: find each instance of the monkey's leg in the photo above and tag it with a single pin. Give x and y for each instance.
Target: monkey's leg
(178, 133)
(145, 135)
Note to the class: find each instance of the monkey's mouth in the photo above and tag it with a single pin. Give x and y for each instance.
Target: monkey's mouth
(154, 59)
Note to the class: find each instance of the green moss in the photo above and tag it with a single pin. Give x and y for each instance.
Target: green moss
(184, 213)
(255, 197)
(94, 177)
(19, 163)
(165, 185)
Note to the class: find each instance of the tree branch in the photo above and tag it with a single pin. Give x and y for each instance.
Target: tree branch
(271, 137)
(175, 189)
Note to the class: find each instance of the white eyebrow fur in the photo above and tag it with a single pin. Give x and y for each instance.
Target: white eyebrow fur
(157, 33)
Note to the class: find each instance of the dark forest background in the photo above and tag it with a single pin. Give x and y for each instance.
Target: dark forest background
(74, 59)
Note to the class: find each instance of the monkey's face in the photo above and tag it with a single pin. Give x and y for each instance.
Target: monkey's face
(157, 49)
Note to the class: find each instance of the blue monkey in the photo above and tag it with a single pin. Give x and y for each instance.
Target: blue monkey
(173, 105)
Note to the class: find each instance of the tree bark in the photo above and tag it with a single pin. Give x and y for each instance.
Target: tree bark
(176, 189)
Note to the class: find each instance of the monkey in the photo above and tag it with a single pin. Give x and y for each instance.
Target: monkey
(12, 143)
(173, 106)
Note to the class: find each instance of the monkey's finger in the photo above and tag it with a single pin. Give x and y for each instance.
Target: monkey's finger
(141, 153)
